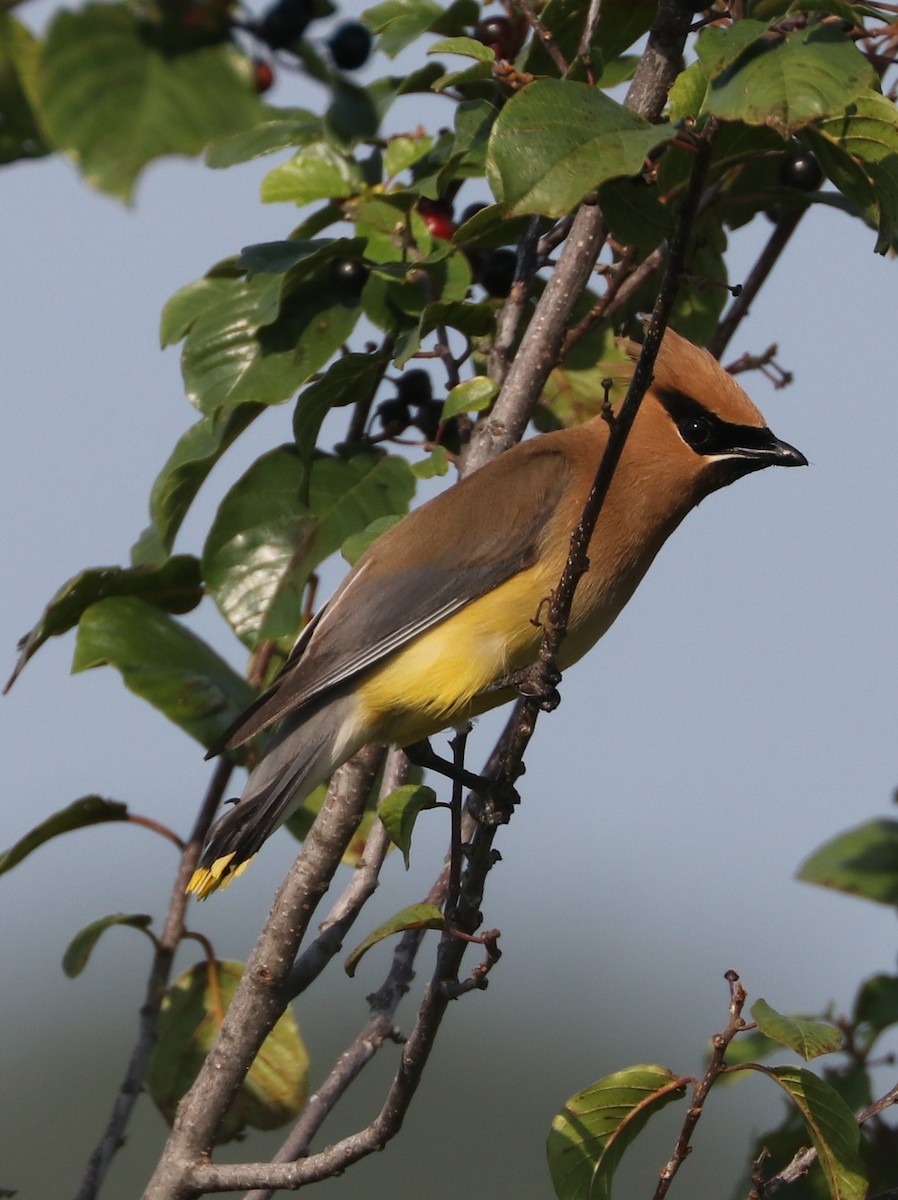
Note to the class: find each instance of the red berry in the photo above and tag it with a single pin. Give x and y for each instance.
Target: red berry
(437, 216)
(500, 34)
(263, 75)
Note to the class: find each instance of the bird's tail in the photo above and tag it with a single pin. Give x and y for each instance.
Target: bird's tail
(307, 751)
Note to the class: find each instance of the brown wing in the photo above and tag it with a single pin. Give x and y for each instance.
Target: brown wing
(439, 558)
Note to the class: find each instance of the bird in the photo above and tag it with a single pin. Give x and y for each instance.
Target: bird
(442, 609)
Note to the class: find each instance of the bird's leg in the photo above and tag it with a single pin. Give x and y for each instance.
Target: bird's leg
(502, 795)
(534, 682)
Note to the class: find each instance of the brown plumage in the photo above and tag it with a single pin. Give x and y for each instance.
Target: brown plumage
(441, 607)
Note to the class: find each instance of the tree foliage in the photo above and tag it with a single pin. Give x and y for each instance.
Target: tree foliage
(574, 127)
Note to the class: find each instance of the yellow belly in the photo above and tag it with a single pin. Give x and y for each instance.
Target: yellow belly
(437, 680)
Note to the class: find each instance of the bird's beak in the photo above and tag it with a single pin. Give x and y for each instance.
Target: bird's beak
(763, 449)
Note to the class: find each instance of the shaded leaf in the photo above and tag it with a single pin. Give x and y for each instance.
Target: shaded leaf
(165, 663)
(300, 256)
(115, 96)
(590, 1135)
(832, 1127)
(877, 1002)
(787, 82)
(401, 22)
(276, 1086)
(862, 862)
(553, 142)
(474, 395)
(20, 133)
(749, 1047)
(89, 810)
(806, 1037)
(416, 916)
(174, 585)
(80, 947)
(266, 540)
(195, 454)
(283, 128)
(400, 810)
(357, 543)
(351, 379)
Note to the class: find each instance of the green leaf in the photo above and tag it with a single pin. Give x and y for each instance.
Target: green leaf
(404, 151)
(20, 133)
(465, 46)
(115, 96)
(862, 862)
(195, 454)
(400, 810)
(574, 391)
(790, 81)
(257, 343)
(401, 22)
(553, 142)
(174, 585)
(877, 1002)
(806, 1037)
(283, 128)
(357, 543)
(832, 1127)
(416, 916)
(79, 949)
(165, 663)
(276, 1086)
(299, 256)
(474, 395)
(317, 172)
(89, 810)
(749, 1047)
(590, 1135)
(266, 541)
(859, 151)
(352, 379)
(436, 463)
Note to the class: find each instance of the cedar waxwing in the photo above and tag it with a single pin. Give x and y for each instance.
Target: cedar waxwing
(442, 606)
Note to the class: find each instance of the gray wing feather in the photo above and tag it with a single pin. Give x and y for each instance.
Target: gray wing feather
(374, 614)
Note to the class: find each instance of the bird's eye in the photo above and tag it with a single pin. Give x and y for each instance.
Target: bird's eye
(695, 431)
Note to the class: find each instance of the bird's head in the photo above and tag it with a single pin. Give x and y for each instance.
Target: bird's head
(702, 423)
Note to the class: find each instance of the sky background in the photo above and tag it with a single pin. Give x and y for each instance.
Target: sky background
(741, 712)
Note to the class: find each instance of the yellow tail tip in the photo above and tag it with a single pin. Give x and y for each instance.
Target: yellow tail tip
(206, 880)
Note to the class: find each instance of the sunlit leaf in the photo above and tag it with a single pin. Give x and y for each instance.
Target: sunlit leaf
(474, 395)
(590, 1135)
(416, 916)
(806, 1037)
(275, 1088)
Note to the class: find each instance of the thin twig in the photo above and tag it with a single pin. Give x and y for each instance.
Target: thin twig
(716, 1067)
(757, 276)
(157, 982)
(544, 34)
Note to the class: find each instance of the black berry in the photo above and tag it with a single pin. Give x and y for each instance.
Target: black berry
(286, 22)
(801, 170)
(496, 272)
(350, 46)
(499, 34)
(394, 417)
(414, 387)
(349, 276)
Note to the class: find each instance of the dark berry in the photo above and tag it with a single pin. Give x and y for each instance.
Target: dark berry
(263, 75)
(500, 34)
(394, 417)
(349, 275)
(471, 211)
(350, 46)
(437, 216)
(801, 170)
(286, 22)
(427, 418)
(414, 387)
(496, 272)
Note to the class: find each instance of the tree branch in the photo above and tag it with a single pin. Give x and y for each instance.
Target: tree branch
(157, 982)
